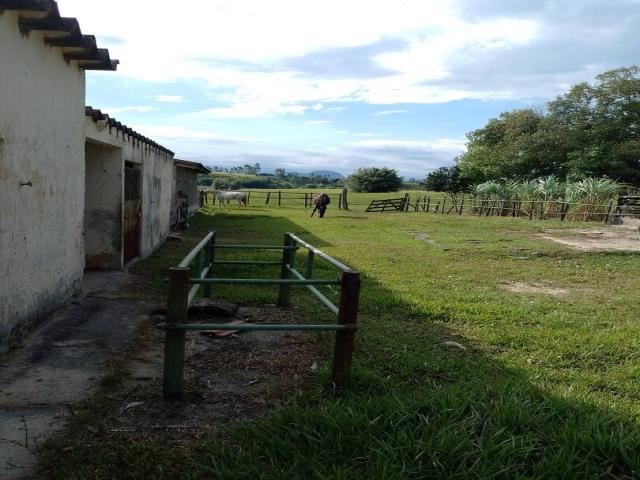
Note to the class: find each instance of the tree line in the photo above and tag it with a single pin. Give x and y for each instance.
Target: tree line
(591, 131)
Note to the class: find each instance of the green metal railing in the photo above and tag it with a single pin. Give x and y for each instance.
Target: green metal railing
(196, 270)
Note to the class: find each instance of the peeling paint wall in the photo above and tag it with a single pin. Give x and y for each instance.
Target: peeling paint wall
(103, 207)
(41, 141)
(187, 183)
(157, 179)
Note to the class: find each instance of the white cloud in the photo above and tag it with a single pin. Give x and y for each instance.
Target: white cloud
(368, 134)
(179, 132)
(433, 39)
(441, 144)
(317, 122)
(169, 98)
(128, 108)
(390, 112)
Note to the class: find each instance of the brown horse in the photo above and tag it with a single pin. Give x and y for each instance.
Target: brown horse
(321, 201)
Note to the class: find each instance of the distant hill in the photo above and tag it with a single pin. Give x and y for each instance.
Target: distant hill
(330, 174)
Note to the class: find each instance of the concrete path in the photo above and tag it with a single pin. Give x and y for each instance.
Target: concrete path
(59, 365)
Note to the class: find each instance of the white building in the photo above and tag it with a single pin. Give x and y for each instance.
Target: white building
(129, 183)
(186, 188)
(50, 149)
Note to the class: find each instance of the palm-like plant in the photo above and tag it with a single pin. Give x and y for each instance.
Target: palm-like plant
(586, 197)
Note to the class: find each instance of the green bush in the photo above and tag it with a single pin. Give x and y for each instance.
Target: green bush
(374, 180)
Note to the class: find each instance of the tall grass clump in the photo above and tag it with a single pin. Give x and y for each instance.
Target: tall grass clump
(548, 197)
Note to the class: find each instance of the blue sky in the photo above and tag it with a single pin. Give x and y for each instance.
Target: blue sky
(306, 85)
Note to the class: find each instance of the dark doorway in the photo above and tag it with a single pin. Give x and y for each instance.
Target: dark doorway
(131, 218)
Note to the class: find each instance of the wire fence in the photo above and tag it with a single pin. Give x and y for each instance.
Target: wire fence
(531, 209)
(444, 204)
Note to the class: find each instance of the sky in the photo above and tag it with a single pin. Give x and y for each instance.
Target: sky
(340, 84)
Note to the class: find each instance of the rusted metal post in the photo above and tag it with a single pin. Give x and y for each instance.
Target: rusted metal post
(210, 256)
(177, 306)
(345, 339)
(288, 256)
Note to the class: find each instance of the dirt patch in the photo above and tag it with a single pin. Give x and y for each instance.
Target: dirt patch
(536, 289)
(227, 379)
(589, 239)
(423, 237)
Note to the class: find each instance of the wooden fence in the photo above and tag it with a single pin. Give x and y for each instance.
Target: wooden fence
(530, 209)
(290, 198)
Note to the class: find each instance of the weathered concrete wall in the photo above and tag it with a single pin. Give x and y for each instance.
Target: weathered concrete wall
(157, 180)
(103, 207)
(41, 141)
(187, 183)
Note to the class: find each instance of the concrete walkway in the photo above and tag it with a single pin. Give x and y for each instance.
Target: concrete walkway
(59, 365)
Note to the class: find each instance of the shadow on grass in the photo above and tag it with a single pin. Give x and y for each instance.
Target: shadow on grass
(425, 401)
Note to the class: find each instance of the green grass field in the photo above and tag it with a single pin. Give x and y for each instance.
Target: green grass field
(545, 387)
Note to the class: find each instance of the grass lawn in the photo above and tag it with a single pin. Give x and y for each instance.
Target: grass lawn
(529, 385)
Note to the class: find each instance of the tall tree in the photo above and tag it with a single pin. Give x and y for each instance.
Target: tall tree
(602, 123)
(446, 179)
(374, 180)
(593, 130)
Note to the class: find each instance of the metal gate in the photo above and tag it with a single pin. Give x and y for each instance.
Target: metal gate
(132, 212)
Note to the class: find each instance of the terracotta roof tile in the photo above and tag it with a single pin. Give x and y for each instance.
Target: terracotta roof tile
(66, 33)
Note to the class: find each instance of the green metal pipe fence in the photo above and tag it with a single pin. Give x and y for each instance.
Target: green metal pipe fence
(196, 271)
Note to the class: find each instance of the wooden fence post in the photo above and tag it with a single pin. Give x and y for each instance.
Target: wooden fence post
(345, 339)
(248, 196)
(288, 258)
(177, 306)
(305, 200)
(606, 218)
(444, 202)
(461, 205)
(428, 204)
(266, 202)
(345, 202)
(279, 198)
(339, 201)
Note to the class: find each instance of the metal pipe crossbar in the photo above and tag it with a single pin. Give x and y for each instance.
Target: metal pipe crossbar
(248, 327)
(318, 294)
(186, 261)
(258, 247)
(339, 265)
(262, 281)
(246, 262)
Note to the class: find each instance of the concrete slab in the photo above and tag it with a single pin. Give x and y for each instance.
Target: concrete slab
(58, 365)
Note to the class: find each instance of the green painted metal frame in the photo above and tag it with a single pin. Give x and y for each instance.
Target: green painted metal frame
(183, 288)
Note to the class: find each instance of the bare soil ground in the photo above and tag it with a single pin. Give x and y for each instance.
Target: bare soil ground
(608, 238)
(240, 376)
(536, 289)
